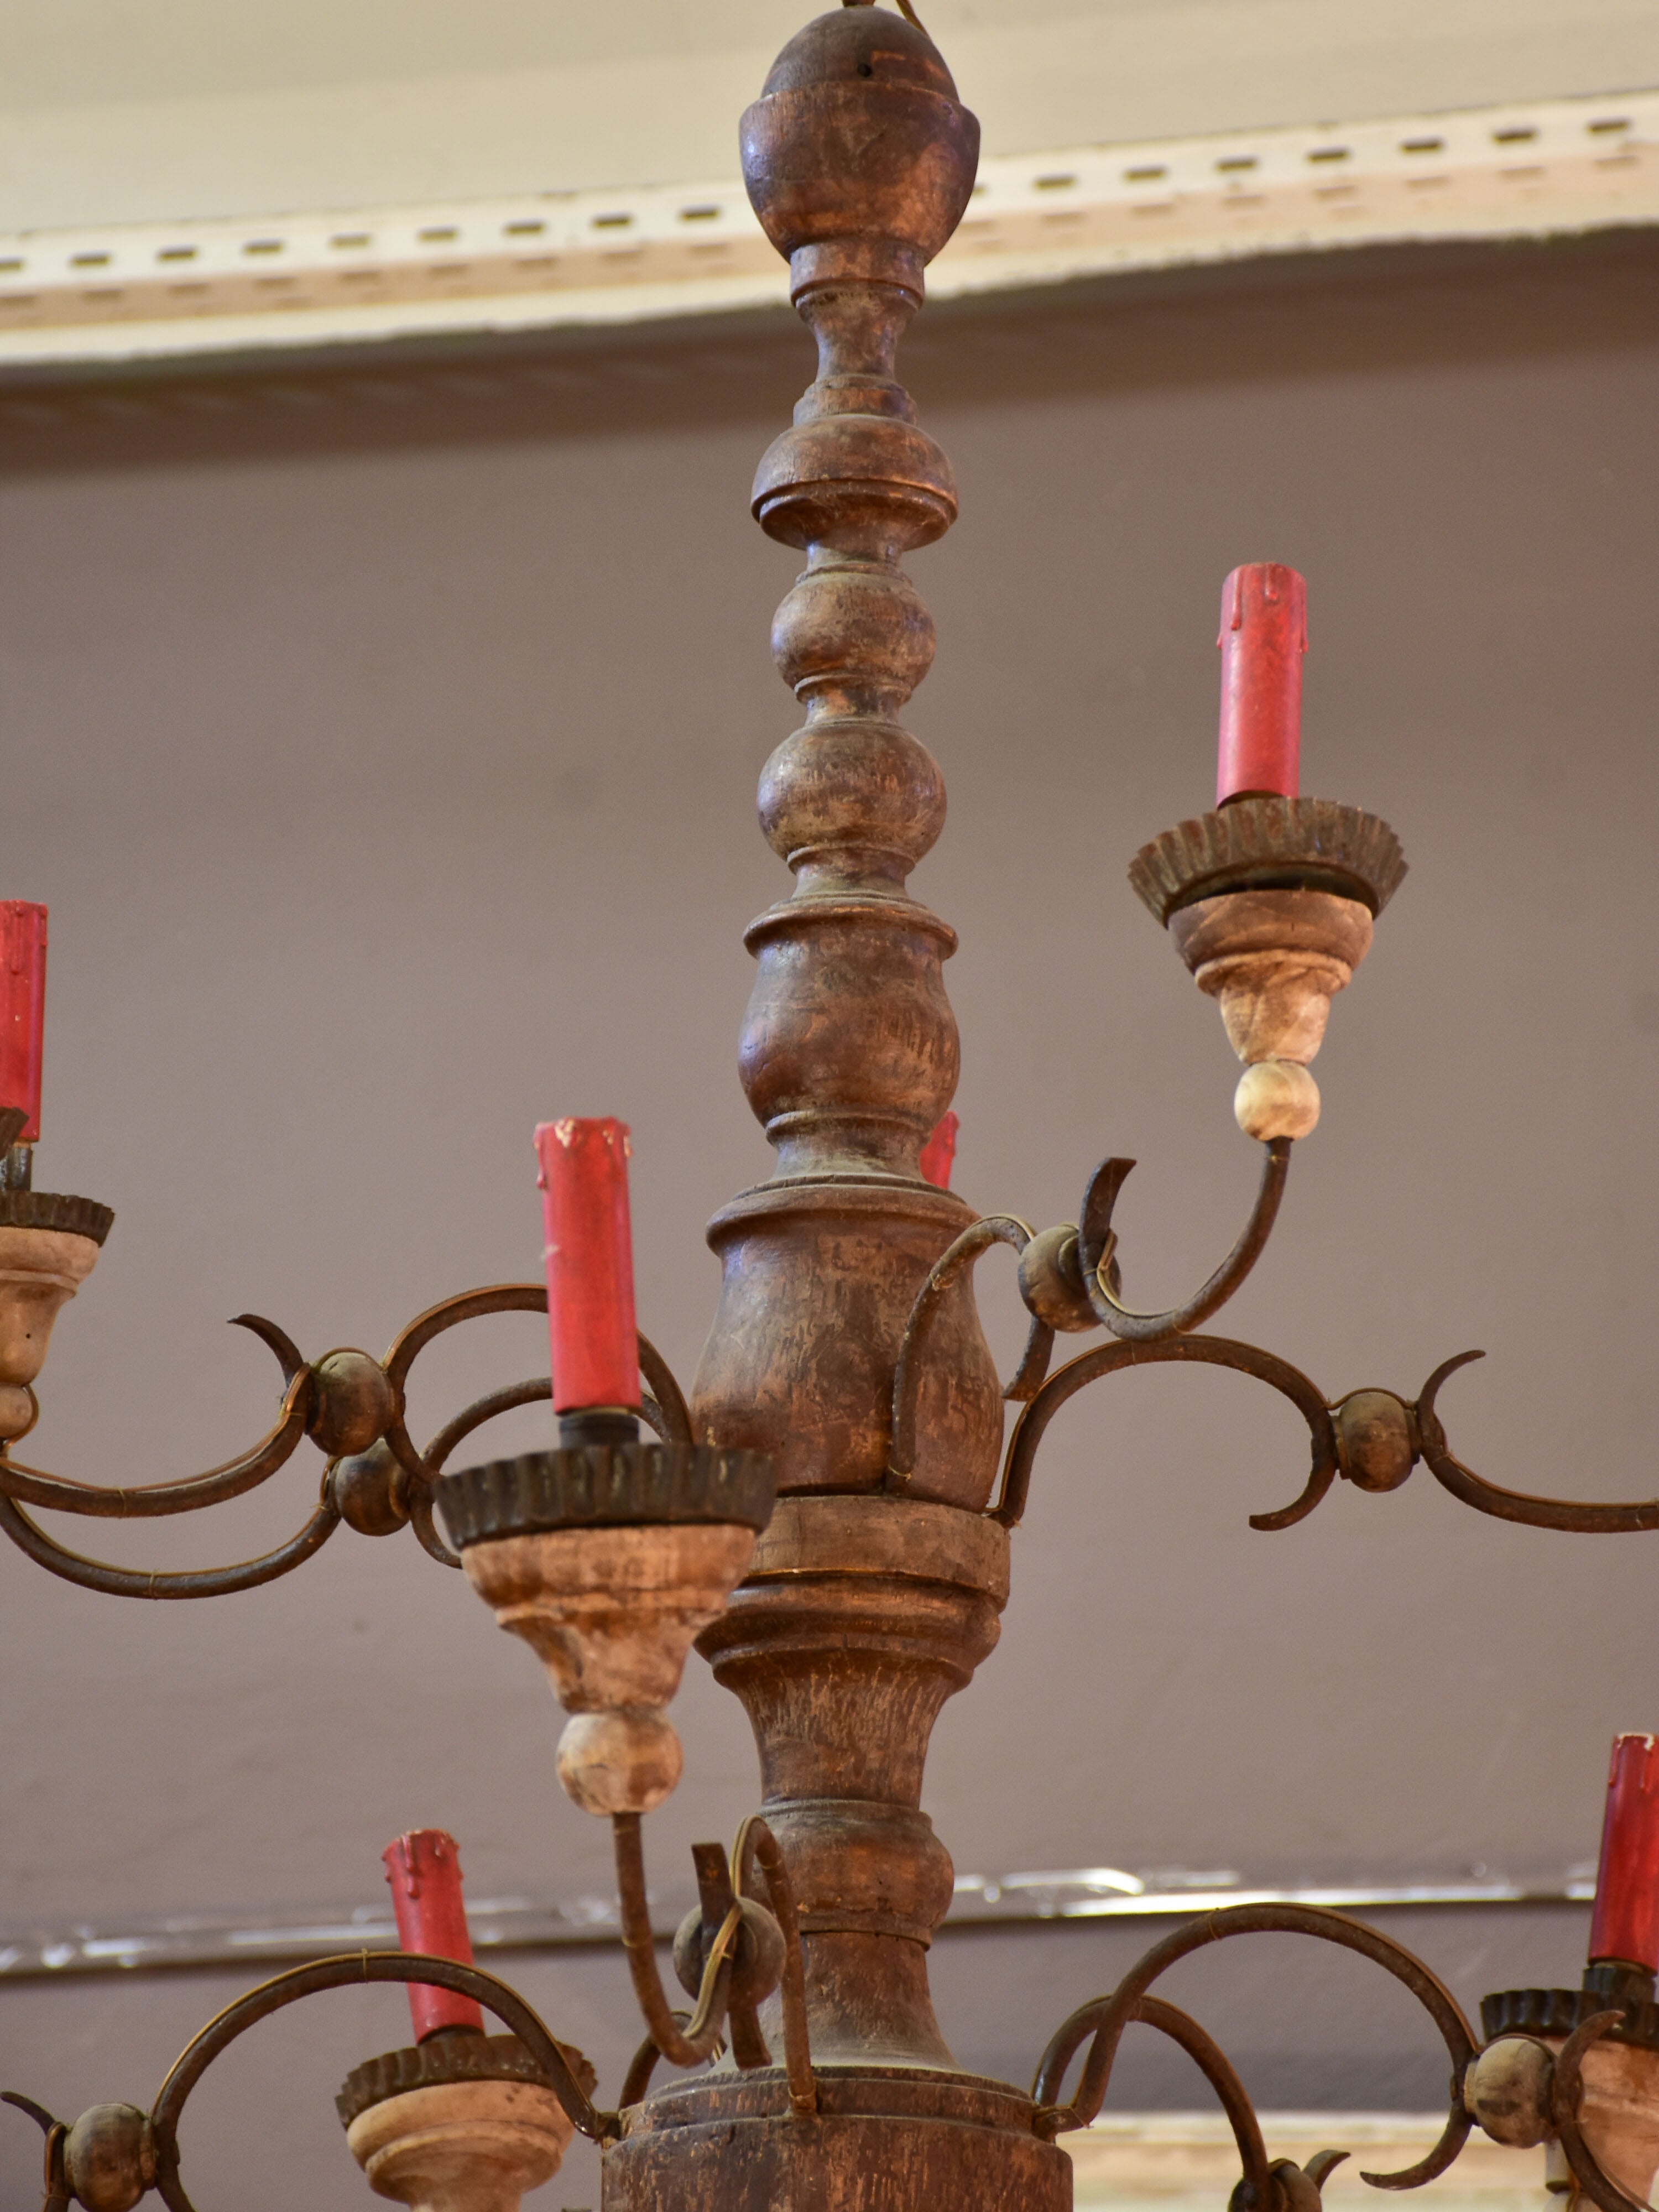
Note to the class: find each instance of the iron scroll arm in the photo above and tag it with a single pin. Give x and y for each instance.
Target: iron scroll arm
(975, 1241)
(1471, 1489)
(1097, 1252)
(113, 1581)
(1218, 2071)
(736, 1973)
(1256, 2192)
(310, 1403)
(1208, 1350)
(56, 1493)
(1101, 2024)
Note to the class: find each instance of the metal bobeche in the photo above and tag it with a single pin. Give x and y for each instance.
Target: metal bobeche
(603, 1486)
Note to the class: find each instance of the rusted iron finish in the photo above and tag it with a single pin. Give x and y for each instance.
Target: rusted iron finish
(58, 2198)
(1102, 2023)
(1558, 2012)
(1378, 1439)
(105, 2162)
(1514, 1505)
(32, 1485)
(1210, 2059)
(954, 1262)
(1206, 1351)
(351, 1407)
(756, 1953)
(371, 1491)
(1097, 1255)
(730, 1953)
(139, 1582)
(506, 1400)
(443, 2059)
(757, 1846)
(694, 2045)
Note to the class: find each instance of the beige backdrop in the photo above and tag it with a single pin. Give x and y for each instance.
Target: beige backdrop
(384, 740)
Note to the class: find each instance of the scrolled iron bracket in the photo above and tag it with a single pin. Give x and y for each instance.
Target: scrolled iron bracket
(1100, 2026)
(977, 1239)
(1100, 1266)
(352, 1407)
(1205, 1350)
(1381, 1437)
(750, 1952)
(1471, 1489)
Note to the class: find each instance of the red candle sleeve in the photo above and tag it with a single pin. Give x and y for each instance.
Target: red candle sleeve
(1625, 1921)
(1264, 634)
(590, 1264)
(939, 1153)
(22, 1009)
(424, 1870)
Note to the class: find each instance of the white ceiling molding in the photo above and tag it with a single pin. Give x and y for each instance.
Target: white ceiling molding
(127, 294)
(201, 1941)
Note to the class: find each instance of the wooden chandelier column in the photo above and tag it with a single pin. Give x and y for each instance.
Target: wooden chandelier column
(859, 160)
(869, 1602)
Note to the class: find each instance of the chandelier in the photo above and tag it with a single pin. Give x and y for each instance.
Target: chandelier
(828, 1515)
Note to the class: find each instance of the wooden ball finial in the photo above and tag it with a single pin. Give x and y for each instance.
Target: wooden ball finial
(859, 139)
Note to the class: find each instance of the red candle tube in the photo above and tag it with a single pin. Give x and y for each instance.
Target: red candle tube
(940, 1151)
(1264, 634)
(424, 1870)
(590, 1264)
(1625, 1921)
(22, 1009)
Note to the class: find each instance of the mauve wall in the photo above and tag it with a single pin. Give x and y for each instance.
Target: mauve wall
(385, 743)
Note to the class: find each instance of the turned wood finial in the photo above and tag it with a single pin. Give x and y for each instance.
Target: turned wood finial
(859, 161)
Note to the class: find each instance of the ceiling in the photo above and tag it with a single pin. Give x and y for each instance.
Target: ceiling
(118, 113)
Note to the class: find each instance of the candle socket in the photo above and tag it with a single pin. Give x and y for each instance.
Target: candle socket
(1617, 1981)
(610, 1426)
(1271, 902)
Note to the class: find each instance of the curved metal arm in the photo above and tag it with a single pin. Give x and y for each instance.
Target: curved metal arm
(663, 1404)
(33, 1485)
(757, 1845)
(1098, 1244)
(1109, 2016)
(508, 2006)
(1515, 1505)
(1205, 2053)
(1207, 1351)
(975, 1241)
(58, 2198)
(693, 2045)
(529, 1297)
(1567, 2094)
(191, 1582)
